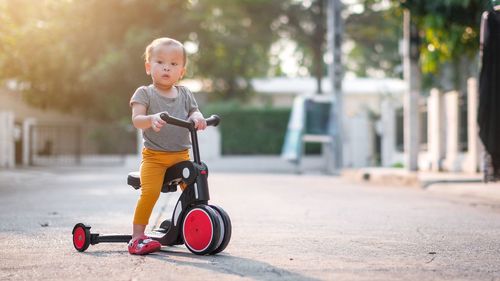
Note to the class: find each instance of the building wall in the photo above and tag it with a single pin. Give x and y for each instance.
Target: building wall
(32, 134)
(362, 104)
(371, 110)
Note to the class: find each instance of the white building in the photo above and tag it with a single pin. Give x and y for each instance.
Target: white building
(363, 101)
(373, 121)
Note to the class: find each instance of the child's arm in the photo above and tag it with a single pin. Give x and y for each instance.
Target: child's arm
(198, 119)
(143, 121)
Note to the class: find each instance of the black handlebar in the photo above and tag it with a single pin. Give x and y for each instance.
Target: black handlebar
(211, 121)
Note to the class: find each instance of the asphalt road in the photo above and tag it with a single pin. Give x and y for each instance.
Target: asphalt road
(285, 227)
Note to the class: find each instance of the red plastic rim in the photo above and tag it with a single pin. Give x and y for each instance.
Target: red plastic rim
(198, 230)
(79, 237)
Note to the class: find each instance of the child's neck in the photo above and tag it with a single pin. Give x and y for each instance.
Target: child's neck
(169, 92)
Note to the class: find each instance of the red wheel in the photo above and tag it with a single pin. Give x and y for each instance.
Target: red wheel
(201, 230)
(81, 237)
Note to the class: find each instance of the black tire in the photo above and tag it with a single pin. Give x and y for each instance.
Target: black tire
(81, 237)
(220, 239)
(201, 229)
(165, 225)
(227, 229)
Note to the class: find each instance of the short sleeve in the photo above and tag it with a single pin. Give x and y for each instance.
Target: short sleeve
(140, 96)
(191, 103)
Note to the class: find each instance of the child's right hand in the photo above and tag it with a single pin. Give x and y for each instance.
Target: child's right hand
(156, 122)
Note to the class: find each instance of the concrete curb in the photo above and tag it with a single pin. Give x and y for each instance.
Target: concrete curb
(458, 185)
(382, 176)
(401, 177)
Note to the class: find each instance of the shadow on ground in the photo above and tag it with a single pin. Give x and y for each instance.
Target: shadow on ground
(221, 263)
(238, 266)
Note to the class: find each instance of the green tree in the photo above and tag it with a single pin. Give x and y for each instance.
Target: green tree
(375, 30)
(72, 55)
(234, 38)
(305, 23)
(449, 34)
(85, 56)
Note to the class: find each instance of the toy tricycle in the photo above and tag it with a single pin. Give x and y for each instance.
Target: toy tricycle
(204, 229)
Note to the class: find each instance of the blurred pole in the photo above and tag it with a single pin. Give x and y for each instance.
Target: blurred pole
(411, 100)
(335, 73)
(28, 125)
(78, 144)
(7, 141)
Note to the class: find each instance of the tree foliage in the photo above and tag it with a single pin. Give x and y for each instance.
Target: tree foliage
(234, 38)
(305, 23)
(376, 32)
(85, 56)
(372, 32)
(449, 34)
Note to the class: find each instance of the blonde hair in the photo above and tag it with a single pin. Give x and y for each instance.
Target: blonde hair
(163, 41)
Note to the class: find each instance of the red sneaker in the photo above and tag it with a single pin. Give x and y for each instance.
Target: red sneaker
(143, 245)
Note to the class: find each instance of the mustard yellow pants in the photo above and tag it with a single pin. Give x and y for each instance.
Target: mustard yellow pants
(153, 166)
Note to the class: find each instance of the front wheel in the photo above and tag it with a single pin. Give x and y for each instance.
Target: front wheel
(81, 237)
(201, 230)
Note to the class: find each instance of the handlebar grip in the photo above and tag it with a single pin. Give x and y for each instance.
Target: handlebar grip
(213, 120)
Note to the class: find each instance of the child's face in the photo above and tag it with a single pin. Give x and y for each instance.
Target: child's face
(166, 65)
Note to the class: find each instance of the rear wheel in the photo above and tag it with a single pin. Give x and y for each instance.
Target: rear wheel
(81, 237)
(165, 226)
(227, 229)
(201, 230)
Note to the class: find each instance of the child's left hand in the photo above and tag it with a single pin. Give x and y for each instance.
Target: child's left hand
(199, 121)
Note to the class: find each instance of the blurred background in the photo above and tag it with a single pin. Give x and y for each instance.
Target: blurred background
(69, 67)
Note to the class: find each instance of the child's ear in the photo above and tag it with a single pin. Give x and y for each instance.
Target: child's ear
(147, 65)
(183, 72)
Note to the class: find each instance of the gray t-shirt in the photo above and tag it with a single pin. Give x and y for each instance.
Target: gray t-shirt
(170, 137)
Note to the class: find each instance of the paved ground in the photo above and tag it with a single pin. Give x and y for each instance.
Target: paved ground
(285, 227)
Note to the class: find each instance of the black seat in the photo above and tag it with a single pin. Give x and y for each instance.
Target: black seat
(134, 179)
(182, 171)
